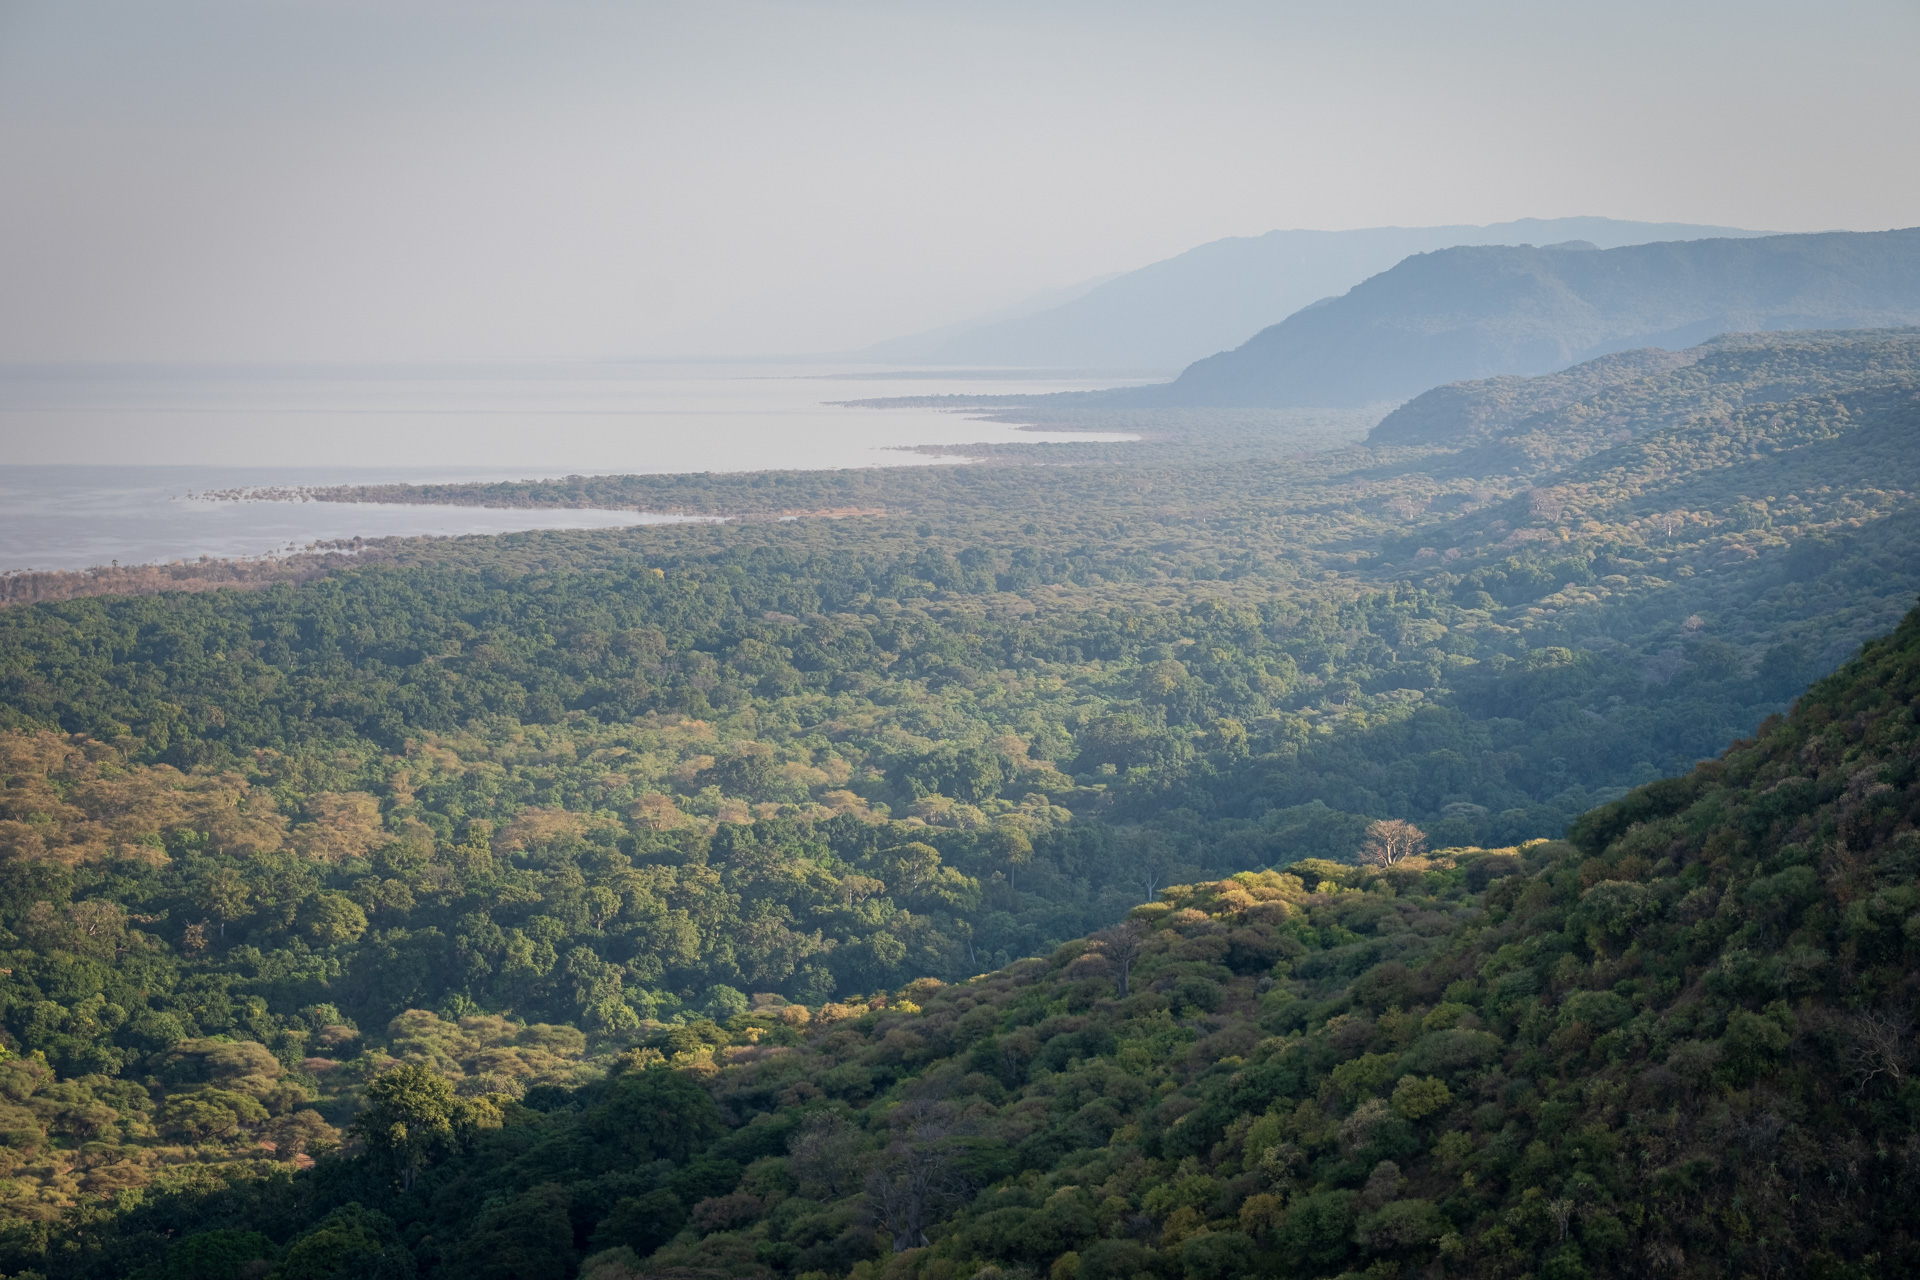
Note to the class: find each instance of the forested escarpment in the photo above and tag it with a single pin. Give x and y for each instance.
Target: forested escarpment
(515, 811)
(1679, 1043)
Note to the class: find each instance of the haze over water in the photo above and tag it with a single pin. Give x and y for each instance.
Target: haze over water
(100, 460)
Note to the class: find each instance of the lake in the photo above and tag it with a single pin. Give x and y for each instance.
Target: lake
(97, 463)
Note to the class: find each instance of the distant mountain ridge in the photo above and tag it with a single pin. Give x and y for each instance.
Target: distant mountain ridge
(1215, 296)
(1485, 311)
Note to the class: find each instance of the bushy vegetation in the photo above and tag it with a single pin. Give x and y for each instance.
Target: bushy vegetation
(534, 815)
(1680, 1042)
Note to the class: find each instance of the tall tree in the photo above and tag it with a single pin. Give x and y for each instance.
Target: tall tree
(1391, 839)
(413, 1118)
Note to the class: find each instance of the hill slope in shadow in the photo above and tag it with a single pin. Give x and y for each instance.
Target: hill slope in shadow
(1478, 312)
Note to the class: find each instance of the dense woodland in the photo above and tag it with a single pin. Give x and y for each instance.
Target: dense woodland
(458, 870)
(1679, 1042)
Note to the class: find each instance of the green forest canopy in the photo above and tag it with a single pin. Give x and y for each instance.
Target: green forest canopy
(1679, 1041)
(508, 808)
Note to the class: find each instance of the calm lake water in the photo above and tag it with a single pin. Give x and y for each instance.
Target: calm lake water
(96, 463)
(55, 517)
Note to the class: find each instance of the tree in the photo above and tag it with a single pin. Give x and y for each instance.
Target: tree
(299, 1133)
(1389, 840)
(221, 1254)
(971, 774)
(824, 1156)
(1011, 846)
(747, 770)
(1122, 945)
(641, 1223)
(724, 1002)
(602, 904)
(205, 1114)
(657, 1114)
(1146, 857)
(909, 866)
(223, 894)
(351, 1243)
(332, 919)
(97, 927)
(860, 888)
(413, 1117)
(914, 1184)
(1881, 1046)
(528, 1238)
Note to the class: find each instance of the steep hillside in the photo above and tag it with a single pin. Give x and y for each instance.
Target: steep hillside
(1681, 1043)
(1556, 429)
(1211, 298)
(1476, 312)
(1580, 409)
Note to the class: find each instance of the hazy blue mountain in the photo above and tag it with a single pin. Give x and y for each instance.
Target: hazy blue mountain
(1483, 311)
(1033, 304)
(1214, 297)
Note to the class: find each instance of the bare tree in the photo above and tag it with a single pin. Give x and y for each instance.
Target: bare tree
(1561, 1211)
(905, 1193)
(1143, 857)
(1122, 945)
(1391, 839)
(1663, 1256)
(824, 1156)
(1882, 1046)
(915, 1181)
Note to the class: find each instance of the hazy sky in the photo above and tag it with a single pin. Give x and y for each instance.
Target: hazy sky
(476, 179)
